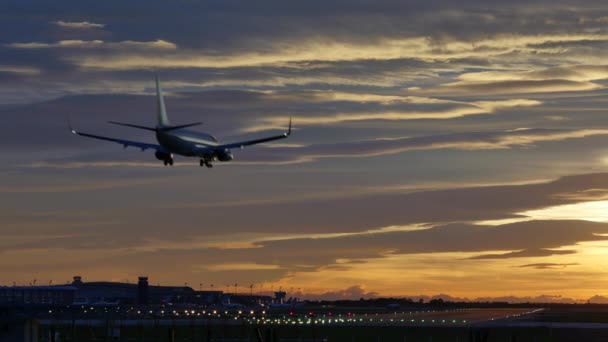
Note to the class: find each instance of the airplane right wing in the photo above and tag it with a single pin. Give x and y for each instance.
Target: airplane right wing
(242, 144)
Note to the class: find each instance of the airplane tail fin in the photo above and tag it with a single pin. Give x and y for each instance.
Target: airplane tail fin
(163, 120)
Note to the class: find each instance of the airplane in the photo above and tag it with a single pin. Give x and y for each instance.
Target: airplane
(176, 140)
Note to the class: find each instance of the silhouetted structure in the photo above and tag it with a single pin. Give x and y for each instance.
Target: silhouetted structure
(142, 291)
(104, 292)
(279, 297)
(21, 295)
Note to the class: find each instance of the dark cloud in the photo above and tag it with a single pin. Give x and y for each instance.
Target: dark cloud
(597, 299)
(295, 255)
(526, 253)
(534, 235)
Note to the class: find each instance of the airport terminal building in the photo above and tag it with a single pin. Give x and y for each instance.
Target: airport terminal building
(50, 295)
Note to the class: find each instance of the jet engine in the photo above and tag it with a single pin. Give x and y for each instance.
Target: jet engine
(225, 156)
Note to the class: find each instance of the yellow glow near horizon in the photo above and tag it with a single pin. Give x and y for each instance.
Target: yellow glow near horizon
(428, 273)
(595, 211)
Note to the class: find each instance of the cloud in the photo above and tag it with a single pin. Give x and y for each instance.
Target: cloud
(597, 299)
(548, 265)
(528, 237)
(83, 25)
(343, 76)
(74, 186)
(296, 154)
(527, 253)
(353, 292)
(89, 44)
(241, 267)
(279, 53)
(511, 87)
(20, 70)
(563, 78)
(463, 109)
(292, 257)
(530, 299)
(370, 148)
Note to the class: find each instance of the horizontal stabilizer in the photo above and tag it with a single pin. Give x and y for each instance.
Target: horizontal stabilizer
(134, 126)
(170, 128)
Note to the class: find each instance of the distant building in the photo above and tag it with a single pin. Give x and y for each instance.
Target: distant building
(50, 295)
(209, 297)
(250, 300)
(143, 291)
(103, 292)
(106, 293)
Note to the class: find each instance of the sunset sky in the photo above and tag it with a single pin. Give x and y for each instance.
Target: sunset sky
(439, 146)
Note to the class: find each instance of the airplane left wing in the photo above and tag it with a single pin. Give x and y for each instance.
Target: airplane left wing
(125, 143)
(242, 144)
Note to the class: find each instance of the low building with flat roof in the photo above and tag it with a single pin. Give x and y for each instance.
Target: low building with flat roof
(25, 295)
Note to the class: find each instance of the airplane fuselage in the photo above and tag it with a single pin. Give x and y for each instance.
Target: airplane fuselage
(191, 144)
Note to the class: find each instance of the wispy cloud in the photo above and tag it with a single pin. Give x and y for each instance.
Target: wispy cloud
(567, 78)
(81, 25)
(20, 70)
(465, 141)
(548, 265)
(527, 253)
(88, 44)
(461, 109)
(334, 51)
(241, 267)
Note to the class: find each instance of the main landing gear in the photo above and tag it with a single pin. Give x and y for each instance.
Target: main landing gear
(166, 158)
(205, 162)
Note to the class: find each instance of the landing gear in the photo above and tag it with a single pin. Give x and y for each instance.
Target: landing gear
(205, 162)
(167, 158)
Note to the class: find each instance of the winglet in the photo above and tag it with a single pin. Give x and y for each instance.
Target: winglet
(70, 125)
(289, 129)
